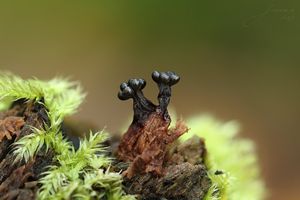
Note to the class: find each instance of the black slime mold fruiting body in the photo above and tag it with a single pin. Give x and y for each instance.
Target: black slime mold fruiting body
(144, 144)
(164, 81)
(141, 105)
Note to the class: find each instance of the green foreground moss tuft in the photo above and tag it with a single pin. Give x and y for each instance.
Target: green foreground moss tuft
(234, 158)
(81, 174)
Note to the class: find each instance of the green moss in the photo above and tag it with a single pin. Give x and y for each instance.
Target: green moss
(234, 156)
(81, 174)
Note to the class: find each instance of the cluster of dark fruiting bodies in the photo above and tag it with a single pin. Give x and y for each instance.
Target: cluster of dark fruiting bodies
(158, 167)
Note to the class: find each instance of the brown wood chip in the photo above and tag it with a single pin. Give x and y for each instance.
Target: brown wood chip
(10, 126)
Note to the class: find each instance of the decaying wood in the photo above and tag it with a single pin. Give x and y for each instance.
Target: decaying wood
(181, 182)
(9, 189)
(185, 176)
(10, 126)
(17, 179)
(192, 151)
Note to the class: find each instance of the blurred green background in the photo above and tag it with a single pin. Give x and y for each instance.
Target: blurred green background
(238, 59)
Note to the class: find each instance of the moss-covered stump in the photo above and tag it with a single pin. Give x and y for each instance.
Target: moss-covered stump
(152, 160)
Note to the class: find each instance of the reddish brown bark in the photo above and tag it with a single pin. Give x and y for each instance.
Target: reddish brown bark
(146, 147)
(10, 126)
